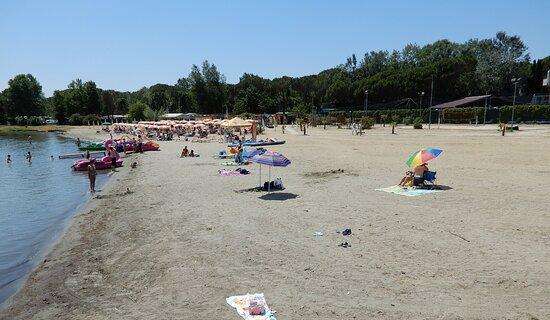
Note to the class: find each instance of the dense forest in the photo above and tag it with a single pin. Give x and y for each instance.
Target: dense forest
(478, 66)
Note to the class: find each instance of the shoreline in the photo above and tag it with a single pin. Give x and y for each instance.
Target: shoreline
(67, 232)
(184, 239)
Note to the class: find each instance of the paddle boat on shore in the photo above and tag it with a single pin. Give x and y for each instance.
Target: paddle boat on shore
(92, 146)
(127, 145)
(100, 164)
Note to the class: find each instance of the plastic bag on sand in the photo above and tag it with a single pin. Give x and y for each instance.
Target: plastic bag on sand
(251, 306)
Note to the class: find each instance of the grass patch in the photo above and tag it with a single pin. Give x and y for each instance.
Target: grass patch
(44, 128)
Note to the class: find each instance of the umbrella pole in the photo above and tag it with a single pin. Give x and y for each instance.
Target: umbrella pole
(260, 175)
(269, 180)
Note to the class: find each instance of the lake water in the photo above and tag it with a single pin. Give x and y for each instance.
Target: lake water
(37, 200)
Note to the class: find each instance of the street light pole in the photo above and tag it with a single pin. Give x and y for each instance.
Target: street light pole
(515, 81)
(366, 101)
(431, 103)
(420, 105)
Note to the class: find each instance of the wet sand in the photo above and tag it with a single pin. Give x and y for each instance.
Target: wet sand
(171, 239)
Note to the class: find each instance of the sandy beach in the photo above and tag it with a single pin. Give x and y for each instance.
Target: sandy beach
(171, 239)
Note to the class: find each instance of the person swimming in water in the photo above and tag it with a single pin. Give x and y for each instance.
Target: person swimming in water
(8, 159)
(29, 157)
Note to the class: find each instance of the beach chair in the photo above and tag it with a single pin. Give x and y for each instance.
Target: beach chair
(429, 179)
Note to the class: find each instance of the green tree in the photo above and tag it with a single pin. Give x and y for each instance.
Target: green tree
(499, 60)
(108, 106)
(121, 106)
(92, 102)
(136, 112)
(24, 96)
(59, 107)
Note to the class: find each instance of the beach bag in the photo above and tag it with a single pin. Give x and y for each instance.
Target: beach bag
(278, 183)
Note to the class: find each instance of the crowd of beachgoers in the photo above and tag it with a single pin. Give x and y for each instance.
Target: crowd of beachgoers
(168, 129)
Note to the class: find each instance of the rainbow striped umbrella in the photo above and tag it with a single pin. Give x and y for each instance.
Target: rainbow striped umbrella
(422, 156)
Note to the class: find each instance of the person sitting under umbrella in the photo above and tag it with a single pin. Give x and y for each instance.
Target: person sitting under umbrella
(419, 174)
(415, 177)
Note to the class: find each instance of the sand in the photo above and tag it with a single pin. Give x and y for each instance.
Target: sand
(171, 239)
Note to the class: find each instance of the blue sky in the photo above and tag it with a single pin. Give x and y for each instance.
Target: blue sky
(126, 45)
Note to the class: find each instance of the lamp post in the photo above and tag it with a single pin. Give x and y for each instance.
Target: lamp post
(431, 103)
(366, 101)
(515, 82)
(420, 105)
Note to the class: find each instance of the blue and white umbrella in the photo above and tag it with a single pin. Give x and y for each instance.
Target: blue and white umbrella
(271, 159)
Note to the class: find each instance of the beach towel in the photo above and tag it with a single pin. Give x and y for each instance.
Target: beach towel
(233, 164)
(251, 306)
(409, 192)
(229, 164)
(229, 173)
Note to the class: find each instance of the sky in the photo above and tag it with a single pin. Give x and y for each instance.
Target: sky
(125, 45)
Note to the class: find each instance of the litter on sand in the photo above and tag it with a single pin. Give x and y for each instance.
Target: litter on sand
(251, 306)
(344, 245)
(236, 172)
(409, 192)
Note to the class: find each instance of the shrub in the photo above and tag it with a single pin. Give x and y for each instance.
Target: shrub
(76, 119)
(367, 123)
(417, 124)
(407, 121)
(90, 119)
(341, 119)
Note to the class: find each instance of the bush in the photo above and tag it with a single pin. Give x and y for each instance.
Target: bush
(76, 119)
(417, 124)
(367, 123)
(28, 120)
(407, 121)
(90, 119)
(341, 119)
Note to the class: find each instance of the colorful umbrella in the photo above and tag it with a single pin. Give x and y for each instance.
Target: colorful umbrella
(271, 159)
(422, 156)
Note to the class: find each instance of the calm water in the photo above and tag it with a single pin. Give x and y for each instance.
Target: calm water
(36, 201)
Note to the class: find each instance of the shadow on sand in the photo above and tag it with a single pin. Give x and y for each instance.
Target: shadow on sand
(278, 196)
(442, 187)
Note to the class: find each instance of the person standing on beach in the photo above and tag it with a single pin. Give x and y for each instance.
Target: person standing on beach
(113, 155)
(92, 173)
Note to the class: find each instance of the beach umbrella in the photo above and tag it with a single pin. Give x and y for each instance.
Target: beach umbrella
(236, 123)
(422, 156)
(249, 152)
(271, 159)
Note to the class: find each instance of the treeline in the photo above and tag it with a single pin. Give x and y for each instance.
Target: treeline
(478, 66)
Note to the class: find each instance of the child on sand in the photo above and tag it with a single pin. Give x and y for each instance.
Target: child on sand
(184, 152)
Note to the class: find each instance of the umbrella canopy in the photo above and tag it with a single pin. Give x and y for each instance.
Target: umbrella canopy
(271, 158)
(422, 156)
(236, 123)
(251, 152)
